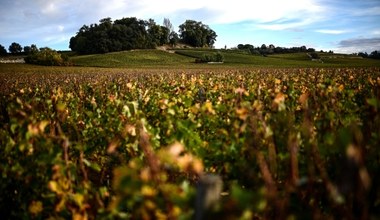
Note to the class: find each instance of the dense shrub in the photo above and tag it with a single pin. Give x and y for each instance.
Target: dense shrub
(47, 57)
(314, 55)
(216, 57)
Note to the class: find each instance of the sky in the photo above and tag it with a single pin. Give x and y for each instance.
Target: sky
(339, 25)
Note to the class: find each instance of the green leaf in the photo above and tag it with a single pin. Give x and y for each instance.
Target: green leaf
(92, 165)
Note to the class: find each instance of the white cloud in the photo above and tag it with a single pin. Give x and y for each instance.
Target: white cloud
(214, 11)
(376, 32)
(328, 31)
(265, 11)
(359, 45)
(227, 11)
(291, 24)
(50, 8)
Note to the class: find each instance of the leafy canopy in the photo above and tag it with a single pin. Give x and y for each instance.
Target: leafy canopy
(15, 48)
(197, 34)
(123, 34)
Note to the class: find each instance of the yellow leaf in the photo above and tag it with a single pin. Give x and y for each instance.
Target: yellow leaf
(149, 204)
(129, 85)
(61, 107)
(42, 125)
(160, 215)
(33, 130)
(78, 198)
(145, 175)
(163, 103)
(208, 107)
(341, 87)
(242, 113)
(60, 206)
(79, 216)
(303, 98)
(280, 97)
(176, 211)
(279, 102)
(148, 191)
(35, 207)
(53, 186)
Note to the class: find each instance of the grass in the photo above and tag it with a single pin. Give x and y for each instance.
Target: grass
(292, 56)
(134, 58)
(239, 58)
(184, 58)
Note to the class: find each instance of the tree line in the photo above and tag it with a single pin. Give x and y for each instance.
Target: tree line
(40, 56)
(132, 33)
(16, 48)
(374, 54)
(271, 49)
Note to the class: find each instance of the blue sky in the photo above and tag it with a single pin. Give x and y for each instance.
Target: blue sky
(338, 25)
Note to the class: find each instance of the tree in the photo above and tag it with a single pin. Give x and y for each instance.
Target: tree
(197, 34)
(245, 47)
(278, 50)
(106, 22)
(27, 49)
(364, 55)
(132, 33)
(79, 44)
(135, 34)
(374, 55)
(169, 26)
(3, 51)
(33, 48)
(15, 48)
(158, 35)
(173, 38)
(270, 49)
(164, 35)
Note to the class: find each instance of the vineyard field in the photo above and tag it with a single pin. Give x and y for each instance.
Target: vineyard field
(114, 143)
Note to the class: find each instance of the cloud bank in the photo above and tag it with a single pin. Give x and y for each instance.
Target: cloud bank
(360, 44)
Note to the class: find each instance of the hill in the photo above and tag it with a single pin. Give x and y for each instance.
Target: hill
(233, 58)
(133, 58)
